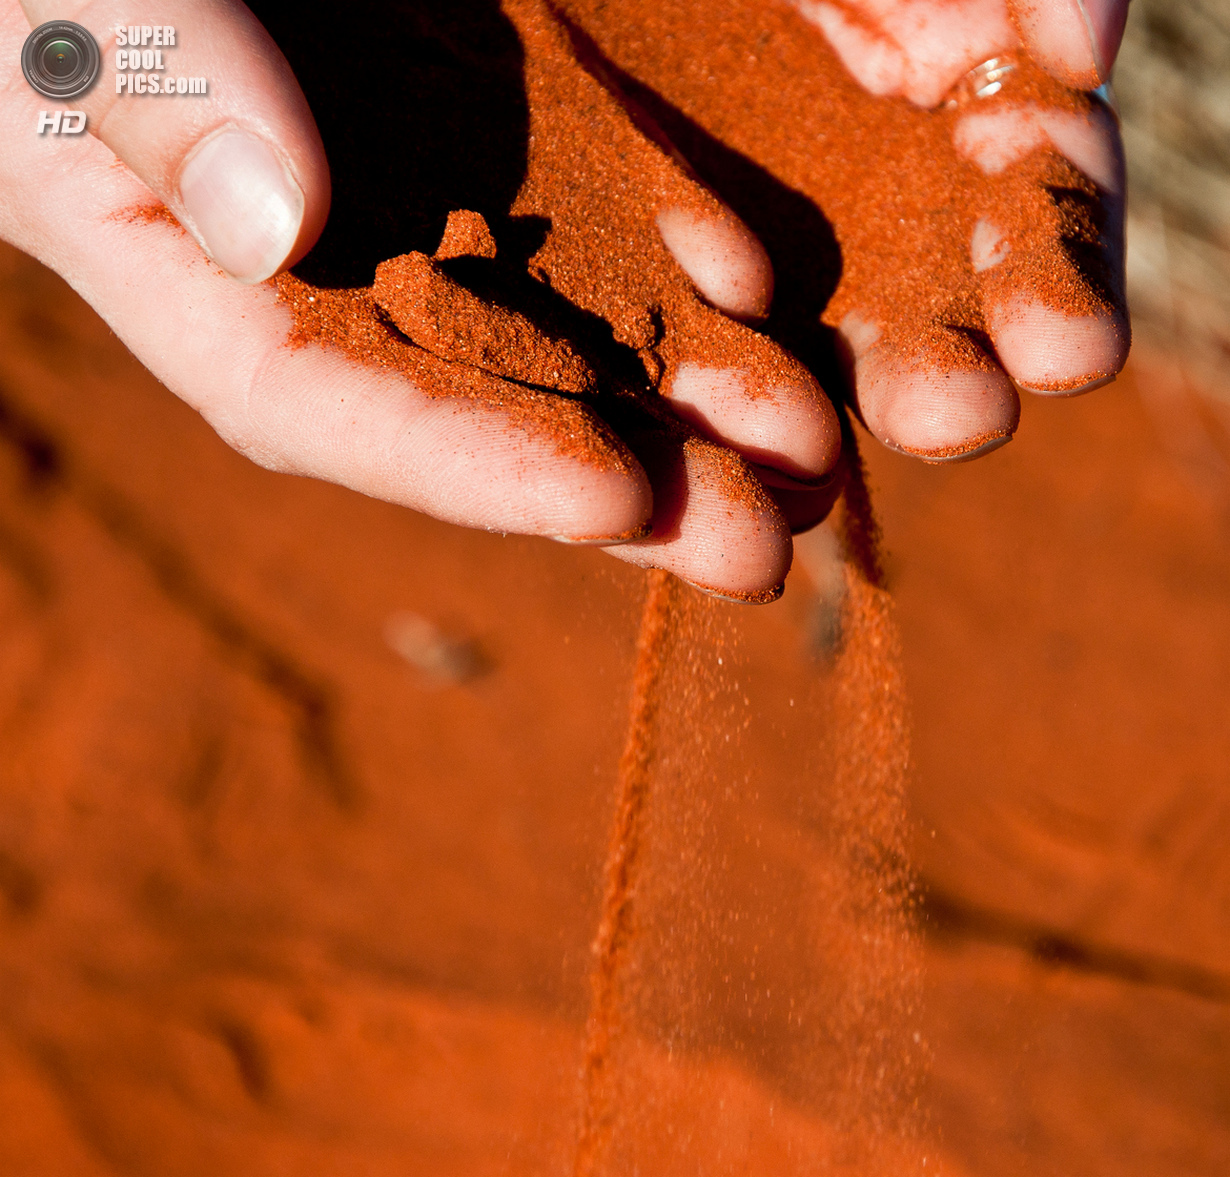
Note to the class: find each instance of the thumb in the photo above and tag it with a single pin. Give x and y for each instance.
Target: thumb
(1076, 40)
(241, 165)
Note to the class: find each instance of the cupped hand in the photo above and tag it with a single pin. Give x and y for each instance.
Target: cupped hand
(966, 58)
(243, 170)
(948, 209)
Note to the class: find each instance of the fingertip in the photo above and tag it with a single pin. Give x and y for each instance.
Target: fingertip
(966, 450)
(1107, 20)
(714, 524)
(935, 414)
(601, 496)
(1048, 350)
(790, 426)
(764, 596)
(598, 509)
(311, 171)
(593, 493)
(988, 246)
(723, 258)
(1074, 40)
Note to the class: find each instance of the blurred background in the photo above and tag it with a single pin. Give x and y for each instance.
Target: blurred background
(304, 799)
(1173, 84)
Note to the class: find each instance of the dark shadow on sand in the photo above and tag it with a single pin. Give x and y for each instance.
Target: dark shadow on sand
(798, 236)
(422, 110)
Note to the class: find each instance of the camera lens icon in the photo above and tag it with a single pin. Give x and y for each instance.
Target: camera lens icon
(60, 59)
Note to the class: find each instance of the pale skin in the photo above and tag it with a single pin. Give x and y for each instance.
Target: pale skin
(919, 51)
(195, 310)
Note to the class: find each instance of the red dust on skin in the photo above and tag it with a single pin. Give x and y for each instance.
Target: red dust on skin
(901, 201)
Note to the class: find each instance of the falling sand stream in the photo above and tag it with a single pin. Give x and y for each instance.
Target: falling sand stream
(881, 1123)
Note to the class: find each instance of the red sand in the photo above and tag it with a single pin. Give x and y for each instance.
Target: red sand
(665, 958)
(598, 311)
(897, 200)
(332, 921)
(616, 936)
(216, 958)
(757, 102)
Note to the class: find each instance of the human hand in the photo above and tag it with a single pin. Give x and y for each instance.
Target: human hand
(921, 49)
(924, 51)
(243, 170)
(583, 202)
(953, 243)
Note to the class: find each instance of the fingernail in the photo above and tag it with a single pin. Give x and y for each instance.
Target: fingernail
(962, 451)
(1077, 387)
(244, 207)
(807, 524)
(1105, 94)
(735, 597)
(1105, 20)
(771, 476)
(643, 531)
